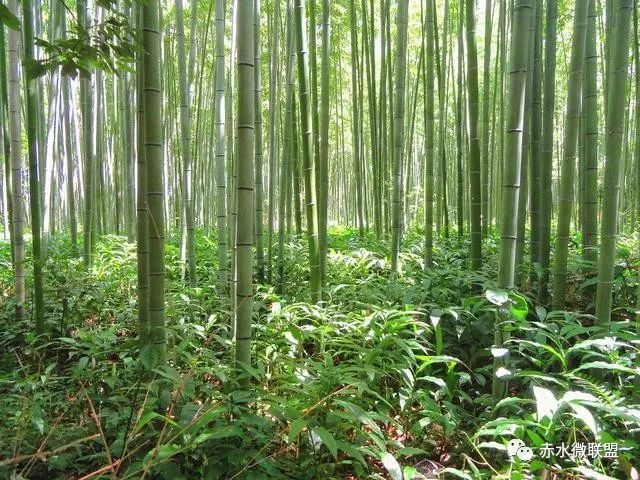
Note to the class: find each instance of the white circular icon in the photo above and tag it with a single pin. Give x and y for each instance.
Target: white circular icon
(517, 448)
(525, 454)
(513, 446)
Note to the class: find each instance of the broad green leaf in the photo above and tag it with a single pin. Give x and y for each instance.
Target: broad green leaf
(519, 308)
(225, 431)
(541, 312)
(163, 452)
(505, 402)
(429, 359)
(540, 376)
(548, 348)
(589, 473)
(607, 366)
(604, 344)
(362, 416)
(573, 396)
(585, 415)
(546, 402)
(457, 473)
(146, 418)
(409, 472)
(36, 417)
(352, 452)
(436, 380)
(8, 18)
(498, 298)
(409, 451)
(328, 440)
(435, 317)
(499, 352)
(148, 356)
(296, 427)
(503, 373)
(507, 425)
(392, 466)
(493, 445)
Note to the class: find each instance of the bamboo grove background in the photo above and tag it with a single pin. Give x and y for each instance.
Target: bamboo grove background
(257, 120)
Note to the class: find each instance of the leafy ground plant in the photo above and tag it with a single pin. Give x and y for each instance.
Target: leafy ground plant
(386, 379)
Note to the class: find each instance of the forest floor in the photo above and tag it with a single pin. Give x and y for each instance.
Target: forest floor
(387, 379)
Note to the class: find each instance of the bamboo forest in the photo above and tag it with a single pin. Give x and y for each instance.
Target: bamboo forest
(319, 239)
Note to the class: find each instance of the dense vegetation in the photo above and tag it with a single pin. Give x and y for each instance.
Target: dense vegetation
(302, 239)
(387, 377)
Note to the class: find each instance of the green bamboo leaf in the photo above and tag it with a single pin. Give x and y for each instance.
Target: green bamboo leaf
(37, 418)
(163, 452)
(586, 416)
(519, 308)
(146, 418)
(409, 472)
(589, 473)
(607, 366)
(546, 347)
(224, 431)
(498, 298)
(9, 19)
(327, 440)
(457, 473)
(410, 451)
(603, 344)
(296, 427)
(392, 466)
(148, 356)
(362, 416)
(546, 402)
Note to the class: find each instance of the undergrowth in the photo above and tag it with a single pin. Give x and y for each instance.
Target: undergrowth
(386, 379)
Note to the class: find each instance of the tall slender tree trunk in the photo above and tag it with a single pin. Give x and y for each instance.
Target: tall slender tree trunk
(245, 182)
(307, 153)
(31, 121)
(616, 93)
(259, 182)
(548, 109)
(287, 151)
(590, 115)
(87, 146)
(6, 143)
(636, 55)
(571, 126)
(296, 172)
(518, 60)
(221, 178)
(526, 155)
(355, 123)
(128, 128)
(69, 162)
(475, 210)
(154, 159)
(429, 133)
(185, 136)
(442, 114)
(536, 143)
(459, 140)
(398, 131)
(325, 105)
(142, 224)
(274, 117)
(17, 221)
(486, 104)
